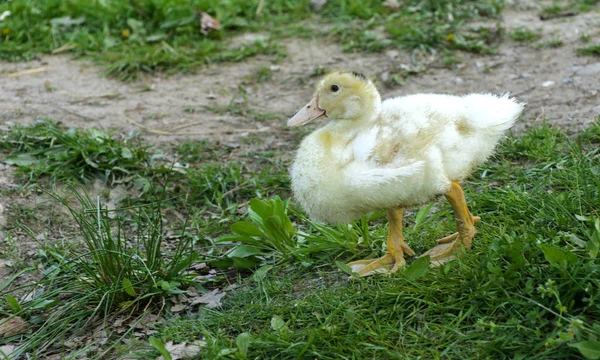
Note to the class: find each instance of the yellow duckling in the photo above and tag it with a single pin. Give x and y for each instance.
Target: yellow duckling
(401, 152)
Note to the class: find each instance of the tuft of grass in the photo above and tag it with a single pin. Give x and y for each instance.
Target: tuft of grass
(552, 43)
(591, 50)
(425, 31)
(569, 8)
(585, 38)
(120, 270)
(45, 149)
(529, 288)
(522, 34)
(262, 74)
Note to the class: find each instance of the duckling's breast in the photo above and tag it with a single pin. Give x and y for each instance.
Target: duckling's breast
(319, 176)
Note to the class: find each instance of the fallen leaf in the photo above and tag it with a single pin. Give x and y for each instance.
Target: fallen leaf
(317, 4)
(212, 299)
(392, 4)
(183, 350)
(208, 23)
(12, 326)
(74, 342)
(192, 292)
(178, 307)
(67, 21)
(54, 357)
(5, 263)
(100, 336)
(116, 196)
(6, 350)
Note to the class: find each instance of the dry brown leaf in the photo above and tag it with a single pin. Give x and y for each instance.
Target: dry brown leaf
(100, 336)
(4, 262)
(74, 342)
(192, 292)
(317, 4)
(183, 350)
(6, 350)
(54, 357)
(211, 299)
(149, 322)
(392, 4)
(178, 307)
(12, 326)
(208, 23)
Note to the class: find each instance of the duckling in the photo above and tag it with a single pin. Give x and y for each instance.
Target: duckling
(393, 154)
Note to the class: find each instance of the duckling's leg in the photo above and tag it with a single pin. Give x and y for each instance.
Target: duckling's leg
(396, 248)
(465, 225)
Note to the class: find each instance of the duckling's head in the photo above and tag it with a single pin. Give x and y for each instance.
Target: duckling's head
(347, 97)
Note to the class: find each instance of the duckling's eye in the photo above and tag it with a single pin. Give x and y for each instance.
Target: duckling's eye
(334, 88)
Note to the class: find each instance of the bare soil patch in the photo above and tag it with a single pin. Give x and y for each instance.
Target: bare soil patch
(556, 84)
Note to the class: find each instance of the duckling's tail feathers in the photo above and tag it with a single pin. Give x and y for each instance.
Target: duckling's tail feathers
(380, 176)
(487, 112)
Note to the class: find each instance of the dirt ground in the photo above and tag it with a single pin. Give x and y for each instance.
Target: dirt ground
(556, 84)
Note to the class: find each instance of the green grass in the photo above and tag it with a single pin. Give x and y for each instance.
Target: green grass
(524, 35)
(568, 8)
(119, 271)
(46, 149)
(49, 153)
(550, 43)
(529, 289)
(132, 38)
(592, 50)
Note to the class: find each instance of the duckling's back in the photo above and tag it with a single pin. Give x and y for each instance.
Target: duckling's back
(463, 130)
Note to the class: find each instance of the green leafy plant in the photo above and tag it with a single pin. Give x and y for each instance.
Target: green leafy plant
(589, 349)
(270, 231)
(271, 236)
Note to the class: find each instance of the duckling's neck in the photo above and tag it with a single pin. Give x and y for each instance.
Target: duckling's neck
(367, 118)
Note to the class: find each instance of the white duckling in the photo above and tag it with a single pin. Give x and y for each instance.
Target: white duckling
(401, 152)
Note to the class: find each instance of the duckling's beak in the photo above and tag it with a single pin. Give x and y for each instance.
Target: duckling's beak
(309, 112)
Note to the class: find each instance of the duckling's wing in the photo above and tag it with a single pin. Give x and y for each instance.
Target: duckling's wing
(380, 176)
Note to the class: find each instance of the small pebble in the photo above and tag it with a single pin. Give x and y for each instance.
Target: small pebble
(392, 54)
(547, 83)
(589, 69)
